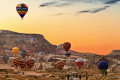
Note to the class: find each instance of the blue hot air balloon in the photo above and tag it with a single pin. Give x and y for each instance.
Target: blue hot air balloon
(103, 66)
(23, 53)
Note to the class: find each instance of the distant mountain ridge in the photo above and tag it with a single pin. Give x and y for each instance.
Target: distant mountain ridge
(115, 52)
(10, 39)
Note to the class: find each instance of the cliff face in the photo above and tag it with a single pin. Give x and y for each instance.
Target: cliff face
(115, 52)
(10, 39)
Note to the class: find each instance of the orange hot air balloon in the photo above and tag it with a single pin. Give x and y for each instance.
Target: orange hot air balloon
(28, 53)
(15, 50)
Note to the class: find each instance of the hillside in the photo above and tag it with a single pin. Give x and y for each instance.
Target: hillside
(10, 39)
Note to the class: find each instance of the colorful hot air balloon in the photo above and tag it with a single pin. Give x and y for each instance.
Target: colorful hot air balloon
(22, 9)
(103, 66)
(66, 46)
(41, 53)
(22, 64)
(23, 53)
(15, 50)
(30, 63)
(16, 62)
(60, 46)
(79, 63)
(33, 41)
(68, 54)
(28, 53)
(5, 58)
(60, 65)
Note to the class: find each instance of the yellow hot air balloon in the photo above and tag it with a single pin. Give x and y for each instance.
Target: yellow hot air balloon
(15, 50)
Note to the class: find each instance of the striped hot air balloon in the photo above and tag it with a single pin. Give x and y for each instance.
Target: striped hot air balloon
(60, 65)
(16, 62)
(22, 9)
(66, 46)
(30, 63)
(22, 64)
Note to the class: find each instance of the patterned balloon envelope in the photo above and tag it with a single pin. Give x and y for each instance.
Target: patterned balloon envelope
(22, 64)
(66, 46)
(16, 62)
(22, 9)
(60, 65)
(30, 63)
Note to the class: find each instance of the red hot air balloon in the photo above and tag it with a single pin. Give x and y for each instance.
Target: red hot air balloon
(30, 63)
(79, 63)
(66, 46)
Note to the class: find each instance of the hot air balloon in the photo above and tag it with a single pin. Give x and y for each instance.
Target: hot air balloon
(23, 53)
(22, 9)
(33, 41)
(79, 63)
(103, 66)
(60, 46)
(60, 65)
(15, 50)
(68, 54)
(103, 59)
(16, 62)
(22, 64)
(41, 53)
(5, 58)
(28, 53)
(30, 63)
(66, 46)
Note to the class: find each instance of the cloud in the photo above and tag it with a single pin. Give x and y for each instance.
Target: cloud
(111, 1)
(47, 4)
(94, 10)
(60, 14)
(63, 4)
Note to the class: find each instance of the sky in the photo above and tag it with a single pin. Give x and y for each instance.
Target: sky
(91, 26)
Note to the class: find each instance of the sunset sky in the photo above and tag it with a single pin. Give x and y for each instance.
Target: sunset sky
(89, 25)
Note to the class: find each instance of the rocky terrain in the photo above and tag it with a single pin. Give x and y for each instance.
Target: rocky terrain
(10, 39)
(44, 67)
